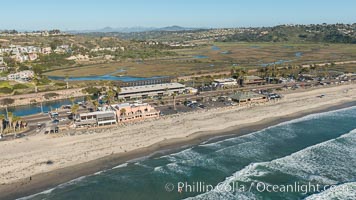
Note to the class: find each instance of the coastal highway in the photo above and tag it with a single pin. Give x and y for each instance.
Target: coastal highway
(214, 93)
(42, 118)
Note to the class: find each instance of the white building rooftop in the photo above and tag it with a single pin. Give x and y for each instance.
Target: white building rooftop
(151, 88)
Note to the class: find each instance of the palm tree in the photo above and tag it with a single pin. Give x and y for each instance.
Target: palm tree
(96, 104)
(87, 99)
(74, 110)
(268, 73)
(15, 120)
(71, 98)
(174, 101)
(66, 80)
(237, 72)
(35, 82)
(10, 116)
(117, 90)
(2, 118)
(111, 95)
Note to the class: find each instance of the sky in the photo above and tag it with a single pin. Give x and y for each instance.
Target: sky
(96, 14)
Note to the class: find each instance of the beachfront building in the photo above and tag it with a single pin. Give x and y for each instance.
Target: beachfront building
(252, 80)
(99, 118)
(191, 90)
(226, 82)
(150, 81)
(248, 97)
(127, 112)
(148, 91)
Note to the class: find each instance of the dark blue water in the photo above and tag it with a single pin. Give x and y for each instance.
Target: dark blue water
(298, 54)
(36, 108)
(317, 149)
(279, 62)
(200, 56)
(215, 48)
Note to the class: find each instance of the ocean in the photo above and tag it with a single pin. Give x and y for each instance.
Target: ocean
(313, 157)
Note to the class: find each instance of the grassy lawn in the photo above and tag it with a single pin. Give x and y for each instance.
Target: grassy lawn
(86, 70)
(346, 68)
(251, 55)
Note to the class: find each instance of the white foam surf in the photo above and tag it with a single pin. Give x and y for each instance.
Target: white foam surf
(121, 166)
(326, 163)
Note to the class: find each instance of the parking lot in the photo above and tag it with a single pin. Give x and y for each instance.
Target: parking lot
(193, 105)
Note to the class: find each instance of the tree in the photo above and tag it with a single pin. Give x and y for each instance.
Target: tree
(117, 90)
(2, 118)
(9, 118)
(7, 101)
(122, 112)
(71, 98)
(238, 73)
(110, 93)
(91, 90)
(35, 82)
(96, 104)
(15, 120)
(66, 80)
(74, 110)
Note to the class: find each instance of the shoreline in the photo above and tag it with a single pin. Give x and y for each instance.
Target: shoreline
(51, 179)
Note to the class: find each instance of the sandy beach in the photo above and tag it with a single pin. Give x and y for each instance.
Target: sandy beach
(50, 160)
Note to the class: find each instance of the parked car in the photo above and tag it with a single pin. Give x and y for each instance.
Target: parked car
(201, 106)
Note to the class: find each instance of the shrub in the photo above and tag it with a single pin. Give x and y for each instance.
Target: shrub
(60, 84)
(50, 95)
(19, 86)
(5, 90)
(7, 101)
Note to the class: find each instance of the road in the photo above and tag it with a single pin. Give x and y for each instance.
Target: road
(45, 120)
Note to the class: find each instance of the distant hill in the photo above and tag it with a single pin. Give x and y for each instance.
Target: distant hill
(332, 33)
(175, 28)
(132, 29)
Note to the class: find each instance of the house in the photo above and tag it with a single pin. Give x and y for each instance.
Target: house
(61, 49)
(3, 68)
(79, 57)
(146, 91)
(32, 56)
(99, 118)
(25, 75)
(224, 82)
(251, 80)
(14, 76)
(20, 57)
(248, 97)
(46, 50)
(127, 112)
(2, 61)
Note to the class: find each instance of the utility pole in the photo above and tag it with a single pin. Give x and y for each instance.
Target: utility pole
(7, 113)
(41, 107)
